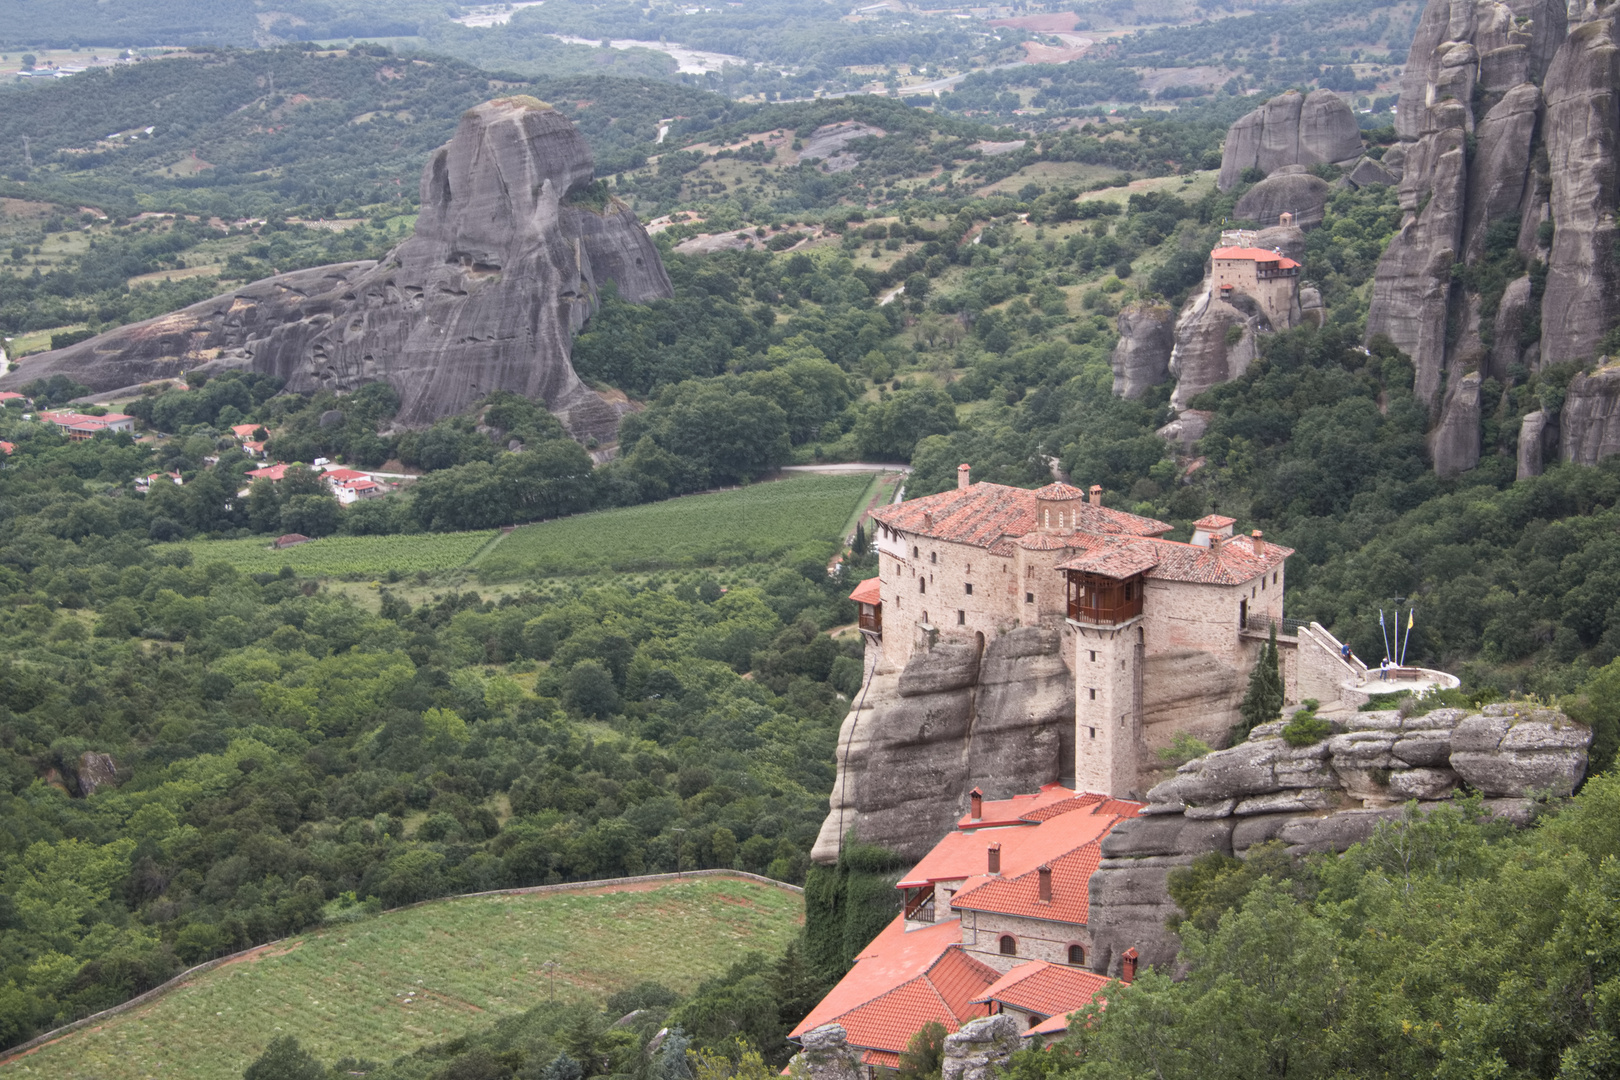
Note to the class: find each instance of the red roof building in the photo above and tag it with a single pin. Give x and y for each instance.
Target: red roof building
(981, 932)
(1137, 611)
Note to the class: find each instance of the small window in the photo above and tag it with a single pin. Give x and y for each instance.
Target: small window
(933, 556)
(922, 585)
(1009, 945)
(961, 618)
(1093, 732)
(1262, 584)
(1077, 955)
(916, 553)
(1093, 655)
(1093, 691)
(1029, 598)
(969, 587)
(1274, 577)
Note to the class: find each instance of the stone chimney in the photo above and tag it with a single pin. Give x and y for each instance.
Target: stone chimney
(963, 477)
(1095, 497)
(1127, 966)
(995, 858)
(1045, 890)
(1259, 539)
(976, 804)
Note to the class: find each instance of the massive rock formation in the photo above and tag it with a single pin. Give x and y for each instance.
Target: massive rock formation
(1142, 357)
(1321, 797)
(1291, 129)
(1590, 420)
(918, 740)
(502, 270)
(1289, 190)
(1454, 442)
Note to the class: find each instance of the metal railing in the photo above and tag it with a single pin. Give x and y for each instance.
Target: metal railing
(1260, 623)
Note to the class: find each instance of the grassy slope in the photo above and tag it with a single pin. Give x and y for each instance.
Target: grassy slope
(343, 990)
(334, 556)
(748, 525)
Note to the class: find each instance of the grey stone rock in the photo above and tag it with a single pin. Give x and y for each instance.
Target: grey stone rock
(1504, 68)
(1186, 429)
(1369, 172)
(501, 271)
(1203, 357)
(1423, 749)
(1422, 783)
(1142, 357)
(1244, 769)
(1454, 444)
(1518, 811)
(96, 771)
(1382, 720)
(1537, 441)
(1303, 800)
(1260, 829)
(945, 667)
(1589, 426)
(1481, 732)
(1363, 749)
(1582, 134)
(1129, 906)
(1501, 165)
(1516, 751)
(1511, 314)
(1289, 240)
(1211, 811)
(1138, 837)
(1516, 773)
(1290, 129)
(826, 1055)
(331, 418)
(1302, 195)
(1335, 832)
(980, 1049)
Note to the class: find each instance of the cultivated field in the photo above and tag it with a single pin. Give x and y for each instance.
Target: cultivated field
(752, 524)
(345, 556)
(382, 987)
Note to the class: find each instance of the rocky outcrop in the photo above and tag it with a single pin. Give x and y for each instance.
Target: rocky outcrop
(981, 1048)
(1589, 424)
(1501, 165)
(1583, 151)
(1368, 172)
(1454, 442)
(1186, 429)
(825, 1054)
(922, 738)
(1291, 129)
(1321, 797)
(1287, 240)
(1537, 442)
(1142, 357)
(503, 268)
(1215, 342)
(1507, 332)
(1290, 190)
(95, 771)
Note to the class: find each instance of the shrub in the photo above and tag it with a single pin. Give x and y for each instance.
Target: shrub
(1306, 727)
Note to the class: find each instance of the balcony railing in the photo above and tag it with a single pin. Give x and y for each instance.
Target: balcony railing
(1120, 611)
(1259, 623)
(871, 618)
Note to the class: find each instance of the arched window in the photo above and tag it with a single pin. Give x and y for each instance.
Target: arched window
(1009, 945)
(1077, 955)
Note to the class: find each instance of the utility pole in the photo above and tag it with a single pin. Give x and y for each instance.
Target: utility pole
(28, 158)
(550, 967)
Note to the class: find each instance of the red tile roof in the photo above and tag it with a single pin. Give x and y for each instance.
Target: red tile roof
(270, 472)
(340, 476)
(11, 395)
(1214, 521)
(1021, 809)
(1260, 255)
(985, 514)
(900, 982)
(1228, 562)
(7, 448)
(1059, 492)
(1045, 989)
(1016, 894)
(868, 592)
(964, 854)
(1124, 561)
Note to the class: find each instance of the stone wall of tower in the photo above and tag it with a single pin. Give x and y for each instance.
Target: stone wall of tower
(1108, 673)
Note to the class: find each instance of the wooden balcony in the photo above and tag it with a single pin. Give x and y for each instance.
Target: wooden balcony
(871, 619)
(1093, 598)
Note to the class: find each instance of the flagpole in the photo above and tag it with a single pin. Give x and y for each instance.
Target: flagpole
(1384, 630)
(1410, 613)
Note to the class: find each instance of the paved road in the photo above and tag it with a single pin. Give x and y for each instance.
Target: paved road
(848, 467)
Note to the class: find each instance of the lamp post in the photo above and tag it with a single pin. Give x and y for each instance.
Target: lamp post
(680, 835)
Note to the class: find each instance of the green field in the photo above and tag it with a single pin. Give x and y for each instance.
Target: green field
(384, 986)
(751, 524)
(345, 556)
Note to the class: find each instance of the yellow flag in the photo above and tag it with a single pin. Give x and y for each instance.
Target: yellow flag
(1409, 613)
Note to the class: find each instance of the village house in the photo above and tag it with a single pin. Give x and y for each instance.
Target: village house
(994, 920)
(349, 485)
(80, 427)
(1160, 635)
(252, 447)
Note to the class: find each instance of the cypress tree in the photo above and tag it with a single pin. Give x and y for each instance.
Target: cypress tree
(1262, 702)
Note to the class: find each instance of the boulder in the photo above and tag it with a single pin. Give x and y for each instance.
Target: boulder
(1186, 429)
(1582, 133)
(95, 771)
(1429, 784)
(504, 267)
(1517, 751)
(825, 1054)
(1512, 313)
(1299, 801)
(1288, 240)
(1454, 444)
(1142, 357)
(1589, 425)
(1139, 837)
(1290, 129)
(981, 1048)
(1301, 194)
(1368, 172)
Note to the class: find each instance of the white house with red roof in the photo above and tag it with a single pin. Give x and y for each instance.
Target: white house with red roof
(994, 920)
(79, 426)
(1160, 635)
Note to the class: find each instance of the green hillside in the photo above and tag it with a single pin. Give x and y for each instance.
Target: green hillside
(385, 986)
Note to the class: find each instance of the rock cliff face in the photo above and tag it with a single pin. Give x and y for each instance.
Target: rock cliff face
(1289, 190)
(1291, 129)
(1322, 797)
(1454, 443)
(1590, 421)
(1142, 357)
(502, 270)
(920, 739)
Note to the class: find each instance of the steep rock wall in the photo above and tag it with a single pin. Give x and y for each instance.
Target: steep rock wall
(1291, 129)
(920, 739)
(1590, 420)
(1142, 358)
(501, 271)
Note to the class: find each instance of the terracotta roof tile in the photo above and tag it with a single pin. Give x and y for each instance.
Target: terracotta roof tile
(1123, 561)
(1017, 895)
(1214, 521)
(1045, 989)
(985, 515)
(1022, 808)
(868, 592)
(1059, 492)
(1259, 255)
